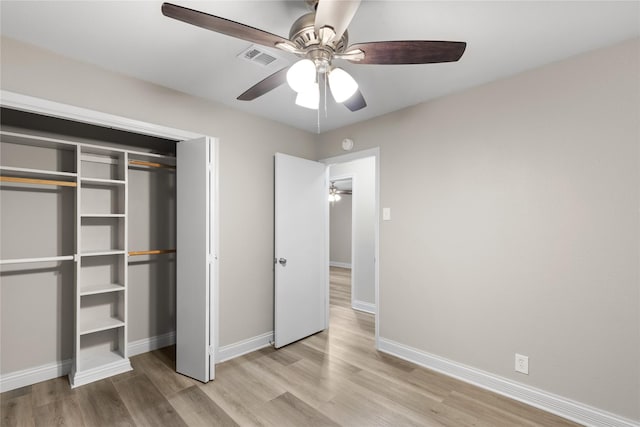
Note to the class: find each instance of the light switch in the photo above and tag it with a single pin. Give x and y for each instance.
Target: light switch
(386, 214)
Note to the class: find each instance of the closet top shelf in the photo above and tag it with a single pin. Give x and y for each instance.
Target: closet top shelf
(38, 141)
(42, 141)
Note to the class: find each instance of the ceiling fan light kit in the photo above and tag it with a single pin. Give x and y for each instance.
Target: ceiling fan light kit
(319, 38)
(310, 97)
(301, 75)
(342, 85)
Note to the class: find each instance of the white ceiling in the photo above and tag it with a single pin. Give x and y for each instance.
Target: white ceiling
(504, 38)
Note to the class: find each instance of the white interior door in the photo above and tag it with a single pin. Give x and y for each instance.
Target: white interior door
(195, 257)
(301, 251)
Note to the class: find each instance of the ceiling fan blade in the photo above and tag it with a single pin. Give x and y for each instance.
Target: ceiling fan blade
(356, 102)
(221, 25)
(273, 81)
(336, 14)
(408, 52)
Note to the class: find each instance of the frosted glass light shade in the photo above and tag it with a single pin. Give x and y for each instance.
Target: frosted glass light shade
(301, 75)
(342, 85)
(310, 97)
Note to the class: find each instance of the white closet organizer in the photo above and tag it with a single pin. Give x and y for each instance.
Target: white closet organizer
(101, 268)
(100, 177)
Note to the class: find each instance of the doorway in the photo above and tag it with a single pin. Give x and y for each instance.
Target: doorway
(354, 249)
(340, 241)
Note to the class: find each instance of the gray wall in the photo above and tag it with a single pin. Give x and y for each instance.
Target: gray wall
(340, 231)
(364, 216)
(247, 145)
(515, 226)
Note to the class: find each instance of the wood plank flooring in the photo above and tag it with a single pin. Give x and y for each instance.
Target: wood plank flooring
(335, 378)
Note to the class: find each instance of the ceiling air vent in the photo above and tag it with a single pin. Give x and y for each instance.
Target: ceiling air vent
(257, 56)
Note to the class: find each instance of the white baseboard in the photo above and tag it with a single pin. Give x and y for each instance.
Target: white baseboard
(149, 344)
(566, 408)
(25, 377)
(364, 306)
(77, 379)
(240, 348)
(340, 264)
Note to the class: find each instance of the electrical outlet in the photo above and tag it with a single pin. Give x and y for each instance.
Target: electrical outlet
(522, 364)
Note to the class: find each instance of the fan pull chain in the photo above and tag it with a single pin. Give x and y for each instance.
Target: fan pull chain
(325, 95)
(318, 111)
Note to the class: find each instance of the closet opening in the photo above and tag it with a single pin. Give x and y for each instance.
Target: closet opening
(88, 250)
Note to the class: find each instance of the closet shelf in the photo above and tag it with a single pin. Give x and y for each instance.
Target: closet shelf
(40, 259)
(101, 289)
(100, 181)
(90, 326)
(35, 173)
(100, 215)
(102, 253)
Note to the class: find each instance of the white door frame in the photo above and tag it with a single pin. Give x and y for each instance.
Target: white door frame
(344, 158)
(45, 107)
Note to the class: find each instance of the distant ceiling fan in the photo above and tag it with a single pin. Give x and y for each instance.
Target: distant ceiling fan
(320, 37)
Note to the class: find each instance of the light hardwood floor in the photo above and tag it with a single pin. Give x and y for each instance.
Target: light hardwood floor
(332, 378)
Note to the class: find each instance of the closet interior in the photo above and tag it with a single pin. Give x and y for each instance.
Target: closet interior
(87, 255)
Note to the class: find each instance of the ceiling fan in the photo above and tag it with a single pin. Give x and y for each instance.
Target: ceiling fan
(319, 38)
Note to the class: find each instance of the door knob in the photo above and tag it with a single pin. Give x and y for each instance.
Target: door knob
(283, 261)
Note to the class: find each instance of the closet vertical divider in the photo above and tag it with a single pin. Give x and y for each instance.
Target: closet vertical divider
(124, 337)
(76, 288)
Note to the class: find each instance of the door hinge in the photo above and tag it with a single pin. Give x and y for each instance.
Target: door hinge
(210, 350)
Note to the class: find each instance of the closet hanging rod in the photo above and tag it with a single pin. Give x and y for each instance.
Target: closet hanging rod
(150, 164)
(152, 252)
(38, 181)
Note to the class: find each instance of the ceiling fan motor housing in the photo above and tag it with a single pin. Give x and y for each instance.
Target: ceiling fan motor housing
(318, 46)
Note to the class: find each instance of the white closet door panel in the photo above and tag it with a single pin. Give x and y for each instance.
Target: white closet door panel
(193, 258)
